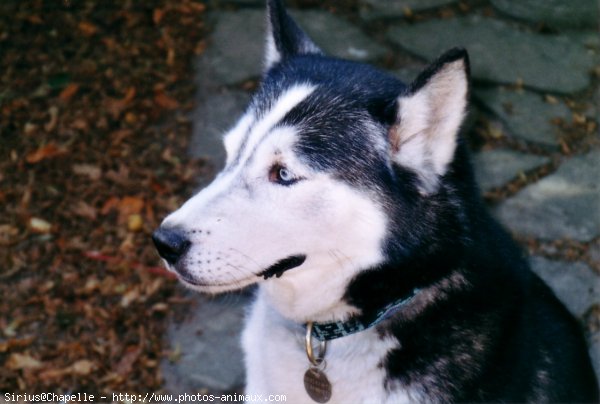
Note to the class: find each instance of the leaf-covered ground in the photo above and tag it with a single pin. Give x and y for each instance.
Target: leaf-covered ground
(94, 99)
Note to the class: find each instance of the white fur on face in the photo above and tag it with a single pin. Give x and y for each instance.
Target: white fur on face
(242, 223)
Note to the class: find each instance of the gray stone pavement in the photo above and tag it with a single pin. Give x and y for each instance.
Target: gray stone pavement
(532, 67)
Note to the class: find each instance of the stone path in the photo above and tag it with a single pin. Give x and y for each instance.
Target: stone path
(535, 125)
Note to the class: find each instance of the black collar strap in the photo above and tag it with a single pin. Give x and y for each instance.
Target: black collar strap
(338, 329)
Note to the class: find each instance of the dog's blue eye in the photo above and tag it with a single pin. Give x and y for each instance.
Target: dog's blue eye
(281, 175)
(285, 175)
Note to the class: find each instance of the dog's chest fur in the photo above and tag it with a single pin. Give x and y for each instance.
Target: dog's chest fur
(276, 361)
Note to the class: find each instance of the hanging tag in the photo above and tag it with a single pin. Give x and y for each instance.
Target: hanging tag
(317, 385)
(316, 382)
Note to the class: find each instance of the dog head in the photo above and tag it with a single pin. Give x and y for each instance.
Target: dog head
(315, 167)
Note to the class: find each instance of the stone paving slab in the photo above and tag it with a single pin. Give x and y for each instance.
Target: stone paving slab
(494, 168)
(338, 37)
(502, 53)
(212, 118)
(564, 278)
(408, 74)
(553, 13)
(526, 114)
(563, 205)
(372, 9)
(236, 46)
(208, 342)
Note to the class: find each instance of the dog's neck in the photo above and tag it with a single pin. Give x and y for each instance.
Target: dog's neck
(300, 306)
(298, 297)
(361, 322)
(311, 294)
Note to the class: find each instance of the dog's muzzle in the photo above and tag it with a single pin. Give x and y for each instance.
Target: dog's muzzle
(171, 243)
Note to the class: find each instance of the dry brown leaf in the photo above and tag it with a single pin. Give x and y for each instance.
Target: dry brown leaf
(164, 101)
(135, 222)
(34, 19)
(7, 233)
(130, 205)
(82, 367)
(45, 152)
(30, 128)
(52, 374)
(38, 225)
(68, 92)
(51, 124)
(130, 297)
(17, 361)
(87, 28)
(110, 204)
(117, 136)
(125, 365)
(11, 343)
(157, 15)
(93, 172)
(83, 209)
(116, 106)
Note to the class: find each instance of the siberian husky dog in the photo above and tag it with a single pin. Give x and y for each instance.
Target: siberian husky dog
(349, 198)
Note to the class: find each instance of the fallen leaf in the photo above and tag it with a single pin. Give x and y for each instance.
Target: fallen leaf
(579, 119)
(51, 124)
(68, 92)
(11, 343)
(135, 222)
(51, 374)
(82, 367)
(164, 101)
(130, 205)
(88, 170)
(110, 204)
(38, 225)
(157, 15)
(125, 365)
(30, 128)
(80, 124)
(87, 28)
(17, 361)
(159, 307)
(34, 19)
(131, 118)
(175, 355)
(85, 210)
(130, 297)
(170, 62)
(117, 136)
(7, 233)
(45, 152)
(116, 106)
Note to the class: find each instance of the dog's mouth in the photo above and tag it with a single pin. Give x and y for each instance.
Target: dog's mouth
(275, 270)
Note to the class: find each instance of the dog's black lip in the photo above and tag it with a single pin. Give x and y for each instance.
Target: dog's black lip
(278, 268)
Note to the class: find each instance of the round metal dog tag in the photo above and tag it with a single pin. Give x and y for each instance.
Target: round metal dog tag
(317, 385)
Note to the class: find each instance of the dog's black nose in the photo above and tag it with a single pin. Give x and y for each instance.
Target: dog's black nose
(170, 243)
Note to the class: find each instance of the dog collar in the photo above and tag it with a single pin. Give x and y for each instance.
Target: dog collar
(338, 329)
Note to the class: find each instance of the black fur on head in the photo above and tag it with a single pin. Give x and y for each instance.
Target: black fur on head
(449, 56)
(285, 38)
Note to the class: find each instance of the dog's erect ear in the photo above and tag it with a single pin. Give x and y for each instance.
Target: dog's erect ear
(284, 37)
(429, 116)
